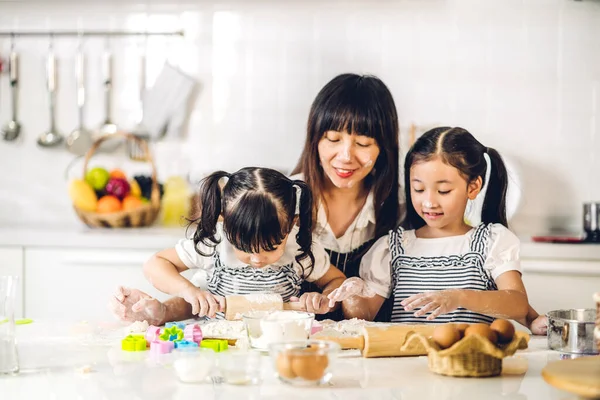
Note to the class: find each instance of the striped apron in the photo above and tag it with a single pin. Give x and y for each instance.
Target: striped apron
(225, 280)
(413, 275)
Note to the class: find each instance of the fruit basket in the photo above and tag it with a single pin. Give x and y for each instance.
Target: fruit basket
(99, 213)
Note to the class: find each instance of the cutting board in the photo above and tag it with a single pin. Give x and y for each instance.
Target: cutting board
(580, 376)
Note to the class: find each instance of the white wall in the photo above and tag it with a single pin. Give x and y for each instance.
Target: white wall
(522, 75)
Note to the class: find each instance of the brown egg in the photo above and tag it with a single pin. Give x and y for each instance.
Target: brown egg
(309, 366)
(505, 330)
(482, 330)
(284, 365)
(322, 361)
(445, 335)
(461, 327)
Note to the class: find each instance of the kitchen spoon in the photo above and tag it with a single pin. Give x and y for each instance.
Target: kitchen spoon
(80, 140)
(51, 138)
(11, 130)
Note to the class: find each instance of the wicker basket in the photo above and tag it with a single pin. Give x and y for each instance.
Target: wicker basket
(143, 215)
(473, 356)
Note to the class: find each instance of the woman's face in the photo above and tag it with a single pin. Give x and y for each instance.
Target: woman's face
(347, 158)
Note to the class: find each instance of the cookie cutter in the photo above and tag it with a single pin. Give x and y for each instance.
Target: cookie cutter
(217, 345)
(180, 325)
(193, 333)
(172, 334)
(152, 333)
(134, 343)
(185, 344)
(161, 347)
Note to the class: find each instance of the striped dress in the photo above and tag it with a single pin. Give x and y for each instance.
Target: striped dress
(227, 280)
(413, 275)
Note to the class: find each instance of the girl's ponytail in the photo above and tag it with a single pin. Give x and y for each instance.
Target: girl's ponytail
(305, 221)
(210, 209)
(494, 203)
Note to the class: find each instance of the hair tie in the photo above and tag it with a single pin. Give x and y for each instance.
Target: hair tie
(225, 179)
(298, 195)
(475, 206)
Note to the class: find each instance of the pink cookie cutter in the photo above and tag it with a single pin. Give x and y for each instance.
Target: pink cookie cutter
(152, 333)
(193, 333)
(161, 347)
(316, 327)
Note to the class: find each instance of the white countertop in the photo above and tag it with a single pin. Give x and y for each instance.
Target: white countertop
(59, 350)
(154, 238)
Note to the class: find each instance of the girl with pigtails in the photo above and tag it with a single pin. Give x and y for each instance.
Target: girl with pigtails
(436, 267)
(254, 235)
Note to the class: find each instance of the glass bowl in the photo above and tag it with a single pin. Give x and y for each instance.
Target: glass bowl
(266, 327)
(304, 363)
(194, 366)
(240, 367)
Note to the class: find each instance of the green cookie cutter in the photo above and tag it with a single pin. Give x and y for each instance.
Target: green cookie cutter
(134, 343)
(217, 345)
(171, 334)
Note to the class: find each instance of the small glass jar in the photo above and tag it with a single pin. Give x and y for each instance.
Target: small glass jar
(194, 365)
(240, 367)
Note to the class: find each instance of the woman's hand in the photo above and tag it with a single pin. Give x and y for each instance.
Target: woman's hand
(437, 303)
(351, 287)
(539, 326)
(132, 305)
(313, 302)
(203, 303)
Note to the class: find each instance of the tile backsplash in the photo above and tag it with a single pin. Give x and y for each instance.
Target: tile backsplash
(522, 75)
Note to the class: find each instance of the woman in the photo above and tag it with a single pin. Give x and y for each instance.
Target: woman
(350, 162)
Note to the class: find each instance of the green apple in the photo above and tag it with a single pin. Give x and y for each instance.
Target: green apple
(97, 177)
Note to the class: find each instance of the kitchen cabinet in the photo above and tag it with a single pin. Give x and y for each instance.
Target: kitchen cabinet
(77, 283)
(11, 263)
(559, 284)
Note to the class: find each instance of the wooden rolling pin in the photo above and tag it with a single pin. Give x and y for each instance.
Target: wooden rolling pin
(383, 341)
(238, 305)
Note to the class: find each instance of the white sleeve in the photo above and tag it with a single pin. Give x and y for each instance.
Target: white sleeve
(375, 267)
(322, 262)
(188, 255)
(503, 253)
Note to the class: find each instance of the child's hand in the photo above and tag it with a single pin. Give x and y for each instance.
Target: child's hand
(539, 326)
(203, 303)
(437, 303)
(132, 305)
(351, 287)
(313, 302)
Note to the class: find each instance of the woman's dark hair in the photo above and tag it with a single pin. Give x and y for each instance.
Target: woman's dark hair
(458, 148)
(258, 207)
(363, 105)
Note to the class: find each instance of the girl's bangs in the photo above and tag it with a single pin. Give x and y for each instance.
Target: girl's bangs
(255, 227)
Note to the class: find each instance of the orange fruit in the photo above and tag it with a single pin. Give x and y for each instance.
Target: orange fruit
(131, 202)
(108, 204)
(118, 173)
